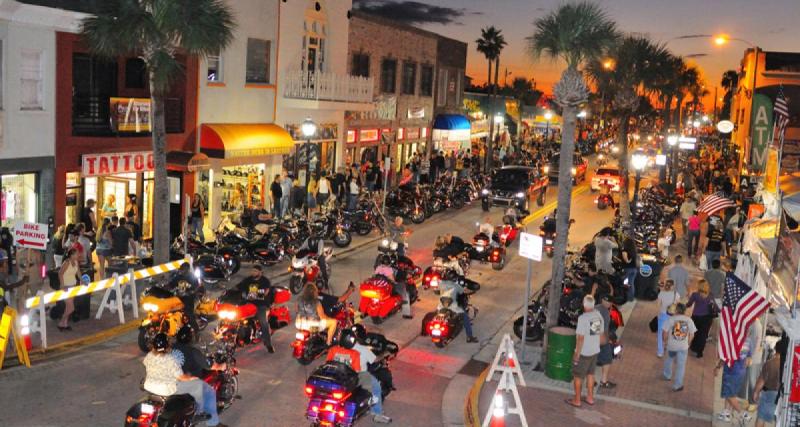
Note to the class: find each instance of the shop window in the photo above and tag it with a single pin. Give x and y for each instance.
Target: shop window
(135, 73)
(360, 65)
(31, 80)
(258, 52)
(18, 199)
(409, 78)
(426, 81)
(214, 68)
(388, 75)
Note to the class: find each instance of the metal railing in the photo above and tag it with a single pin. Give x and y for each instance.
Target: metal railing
(328, 87)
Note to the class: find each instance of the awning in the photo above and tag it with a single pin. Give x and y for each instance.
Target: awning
(227, 141)
(451, 122)
(179, 160)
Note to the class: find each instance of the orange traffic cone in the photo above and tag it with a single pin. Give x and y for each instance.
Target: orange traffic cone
(498, 412)
(511, 361)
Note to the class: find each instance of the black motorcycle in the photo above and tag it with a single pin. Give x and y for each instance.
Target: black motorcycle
(406, 203)
(330, 228)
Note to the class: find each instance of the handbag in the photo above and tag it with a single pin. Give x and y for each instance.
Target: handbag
(714, 309)
(703, 264)
(654, 324)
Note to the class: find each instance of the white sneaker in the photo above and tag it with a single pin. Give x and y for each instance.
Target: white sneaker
(746, 417)
(724, 416)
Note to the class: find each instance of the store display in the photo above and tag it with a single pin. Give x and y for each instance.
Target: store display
(241, 187)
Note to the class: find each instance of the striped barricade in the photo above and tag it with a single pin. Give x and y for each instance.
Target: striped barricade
(112, 284)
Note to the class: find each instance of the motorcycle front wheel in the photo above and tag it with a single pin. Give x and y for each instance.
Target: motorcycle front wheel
(342, 239)
(457, 202)
(144, 340)
(534, 333)
(295, 284)
(418, 216)
(362, 229)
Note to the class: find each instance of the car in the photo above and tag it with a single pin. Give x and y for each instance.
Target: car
(579, 167)
(611, 176)
(514, 186)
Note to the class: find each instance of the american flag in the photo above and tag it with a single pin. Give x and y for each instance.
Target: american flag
(741, 305)
(714, 203)
(781, 111)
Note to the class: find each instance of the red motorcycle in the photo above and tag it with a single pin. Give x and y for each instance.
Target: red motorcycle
(305, 269)
(238, 325)
(311, 342)
(379, 300)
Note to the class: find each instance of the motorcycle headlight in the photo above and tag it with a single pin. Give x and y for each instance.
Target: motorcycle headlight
(485, 192)
(615, 149)
(393, 246)
(198, 272)
(149, 307)
(226, 315)
(385, 242)
(546, 169)
(297, 264)
(520, 195)
(574, 171)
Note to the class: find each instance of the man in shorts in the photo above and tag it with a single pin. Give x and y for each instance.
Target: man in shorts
(606, 355)
(587, 347)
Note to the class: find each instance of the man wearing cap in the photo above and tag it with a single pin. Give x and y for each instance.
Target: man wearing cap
(587, 347)
(257, 289)
(5, 283)
(606, 355)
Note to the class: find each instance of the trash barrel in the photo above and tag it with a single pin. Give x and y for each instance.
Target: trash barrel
(647, 279)
(560, 347)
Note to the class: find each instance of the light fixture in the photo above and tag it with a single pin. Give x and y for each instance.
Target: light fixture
(705, 119)
(720, 39)
(498, 119)
(548, 115)
(696, 123)
(309, 128)
(672, 140)
(582, 114)
(608, 64)
(639, 160)
(649, 137)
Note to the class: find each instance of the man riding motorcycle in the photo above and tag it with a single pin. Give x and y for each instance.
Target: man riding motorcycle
(398, 280)
(315, 243)
(443, 253)
(450, 288)
(549, 225)
(398, 233)
(257, 289)
(194, 364)
(185, 285)
(360, 358)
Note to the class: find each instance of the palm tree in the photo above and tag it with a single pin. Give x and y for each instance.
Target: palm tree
(576, 33)
(158, 31)
(687, 80)
(637, 64)
(668, 85)
(730, 80)
(490, 45)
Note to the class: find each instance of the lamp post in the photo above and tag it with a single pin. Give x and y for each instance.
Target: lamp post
(639, 161)
(547, 116)
(309, 129)
(672, 140)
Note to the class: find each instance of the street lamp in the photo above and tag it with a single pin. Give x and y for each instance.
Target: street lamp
(547, 116)
(309, 129)
(639, 161)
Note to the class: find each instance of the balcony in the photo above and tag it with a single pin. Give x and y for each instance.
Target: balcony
(328, 87)
(91, 116)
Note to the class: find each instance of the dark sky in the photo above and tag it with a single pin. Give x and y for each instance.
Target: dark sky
(771, 24)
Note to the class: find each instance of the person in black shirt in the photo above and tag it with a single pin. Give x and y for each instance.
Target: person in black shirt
(258, 290)
(277, 193)
(629, 262)
(121, 239)
(185, 286)
(195, 364)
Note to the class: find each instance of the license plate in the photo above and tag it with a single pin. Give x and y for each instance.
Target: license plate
(436, 332)
(549, 242)
(479, 248)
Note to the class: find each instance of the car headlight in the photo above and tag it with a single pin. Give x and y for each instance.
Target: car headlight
(485, 192)
(519, 195)
(574, 171)
(149, 307)
(227, 315)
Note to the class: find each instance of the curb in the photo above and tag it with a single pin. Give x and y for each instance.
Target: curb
(471, 414)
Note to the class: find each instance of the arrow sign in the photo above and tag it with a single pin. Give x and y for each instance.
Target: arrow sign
(30, 235)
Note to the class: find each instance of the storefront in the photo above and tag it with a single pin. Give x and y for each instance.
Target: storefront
(317, 156)
(451, 132)
(19, 198)
(367, 145)
(243, 159)
(409, 140)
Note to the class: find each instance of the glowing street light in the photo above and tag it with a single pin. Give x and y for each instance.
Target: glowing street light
(608, 64)
(696, 123)
(547, 116)
(705, 119)
(672, 140)
(639, 162)
(582, 114)
(309, 129)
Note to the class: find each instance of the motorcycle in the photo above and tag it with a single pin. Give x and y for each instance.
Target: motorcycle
(488, 249)
(306, 269)
(446, 324)
(398, 262)
(164, 312)
(602, 160)
(547, 241)
(311, 342)
(225, 259)
(332, 229)
(335, 397)
(603, 201)
(238, 325)
(402, 202)
(180, 409)
(379, 300)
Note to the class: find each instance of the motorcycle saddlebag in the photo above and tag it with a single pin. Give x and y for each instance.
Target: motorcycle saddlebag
(282, 295)
(279, 317)
(333, 376)
(177, 407)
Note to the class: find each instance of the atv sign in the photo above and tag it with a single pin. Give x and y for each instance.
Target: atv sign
(30, 235)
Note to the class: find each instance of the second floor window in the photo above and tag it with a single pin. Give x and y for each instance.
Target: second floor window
(214, 68)
(257, 61)
(31, 81)
(360, 65)
(388, 76)
(426, 81)
(409, 78)
(135, 73)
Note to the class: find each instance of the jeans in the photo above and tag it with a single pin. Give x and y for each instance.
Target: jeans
(262, 314)
(377, 407)
(662, 319)
(680, 368)
(630, 274)
(694, 241)
(467, 323)
(284, 206)
(710, 257)
(352, 200)
(197, 228)
(203, 395)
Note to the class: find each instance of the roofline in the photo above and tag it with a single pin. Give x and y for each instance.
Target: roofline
(355, 13)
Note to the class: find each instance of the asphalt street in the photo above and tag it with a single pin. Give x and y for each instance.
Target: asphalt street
(96, 386)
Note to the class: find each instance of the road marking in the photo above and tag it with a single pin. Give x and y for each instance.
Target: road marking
(552, 205)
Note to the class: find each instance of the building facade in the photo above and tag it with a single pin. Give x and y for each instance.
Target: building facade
(451, 129)
(401, 60)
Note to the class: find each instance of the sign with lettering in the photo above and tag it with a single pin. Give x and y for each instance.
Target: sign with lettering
(530, 246)
(199, 162)
(114, 163)
(130, 114)
(30, 235)
(761, 135)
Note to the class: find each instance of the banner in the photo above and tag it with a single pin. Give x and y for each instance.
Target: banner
(130, 114)
(761, 132)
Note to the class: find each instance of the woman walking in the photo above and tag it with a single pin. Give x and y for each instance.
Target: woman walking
(68, 277)
(702, 316)
(666, 297)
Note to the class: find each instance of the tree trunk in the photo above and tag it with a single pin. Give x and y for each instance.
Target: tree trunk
(667, 111)
(490, 120)
(679, 112)
(624, 162)
(160, 216)
(492, 136)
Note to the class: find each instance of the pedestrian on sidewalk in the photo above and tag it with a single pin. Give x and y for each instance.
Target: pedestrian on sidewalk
(766, 390)
(713, 242)
(603, 254)
(680, 276)
(688, 207)
(587, 347)
(630, 267)
(606, 355)
(693, 223)
(677, 332)
(702, 316)
(666, 297)
(732, 378)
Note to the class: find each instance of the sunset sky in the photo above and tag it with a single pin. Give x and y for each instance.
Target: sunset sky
(771, 24)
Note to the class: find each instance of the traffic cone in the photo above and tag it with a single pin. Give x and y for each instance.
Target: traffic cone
(511, 361)
(498, 411)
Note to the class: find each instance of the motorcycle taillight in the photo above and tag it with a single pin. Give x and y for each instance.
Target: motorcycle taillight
(309, 390)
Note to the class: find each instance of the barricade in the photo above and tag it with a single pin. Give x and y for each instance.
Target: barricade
(37, 304)
(506, 363)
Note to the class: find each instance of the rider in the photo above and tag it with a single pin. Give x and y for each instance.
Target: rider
(257, 289)
(316, 243)
(486, 227)
(442, 252)
(451, 288)
(549, 226)
(398, 281)
(316, 309)
(398, 233)
(195, 364)
(360, 358)
(605, 190)
(185, 285)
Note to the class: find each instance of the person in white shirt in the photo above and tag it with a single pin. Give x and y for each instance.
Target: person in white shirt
(323, 189)
(666, 297)
(587, 347)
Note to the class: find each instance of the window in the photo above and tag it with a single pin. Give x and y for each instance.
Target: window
(388, 75)
(31, 81)
(257, 61)
(441, 91)
(409, 78)
(360, 65)
(426, 81)
(214, 70)
(135, 73)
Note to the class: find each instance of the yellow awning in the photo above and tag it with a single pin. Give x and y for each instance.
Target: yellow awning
(227, 141)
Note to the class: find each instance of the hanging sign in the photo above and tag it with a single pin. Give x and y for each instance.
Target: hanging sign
(30, 235)
(114, 163)
(199, 162)
(761, 135)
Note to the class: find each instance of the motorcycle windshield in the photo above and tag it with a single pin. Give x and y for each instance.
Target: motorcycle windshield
(157, 292)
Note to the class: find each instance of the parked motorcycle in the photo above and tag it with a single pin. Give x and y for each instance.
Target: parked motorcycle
(405, 203)
(331, 228)
(238, 325)
(306, 269)
(215, 250)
